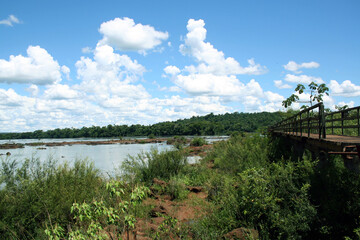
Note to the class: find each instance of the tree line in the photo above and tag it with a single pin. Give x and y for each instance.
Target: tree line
(211, 124)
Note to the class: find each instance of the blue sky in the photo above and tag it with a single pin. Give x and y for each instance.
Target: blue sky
(83, 63)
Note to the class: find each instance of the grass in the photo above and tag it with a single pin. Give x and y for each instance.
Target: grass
(36, 194)
(154, 164)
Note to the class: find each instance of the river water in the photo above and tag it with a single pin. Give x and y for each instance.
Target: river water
(107, 157)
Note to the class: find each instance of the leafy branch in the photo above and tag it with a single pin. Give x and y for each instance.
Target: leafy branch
(316, 93)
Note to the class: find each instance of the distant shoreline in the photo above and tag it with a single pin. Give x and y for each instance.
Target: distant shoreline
(101, 142)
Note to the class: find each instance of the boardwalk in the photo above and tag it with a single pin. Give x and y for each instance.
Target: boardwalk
(317, 130)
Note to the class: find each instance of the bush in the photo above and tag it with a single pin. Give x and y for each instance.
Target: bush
(177, 141)
(154, 164)
(240, 153)
(198, 142)
(336, 192)
(276, 200)
(35, 194)
(222, 199)
(177, 189)
(195, 175)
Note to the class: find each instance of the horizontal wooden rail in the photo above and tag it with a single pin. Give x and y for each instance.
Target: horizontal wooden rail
(344, 122)
(314, 120)
(306, 121)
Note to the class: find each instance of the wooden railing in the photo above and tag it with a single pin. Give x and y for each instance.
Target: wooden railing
(345, 122)
(314, 120)
(306, 122)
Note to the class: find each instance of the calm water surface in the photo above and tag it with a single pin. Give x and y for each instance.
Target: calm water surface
(105, 157)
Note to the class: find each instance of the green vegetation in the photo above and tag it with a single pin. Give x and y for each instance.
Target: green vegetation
(147, 166)
(249, 182)
(316, 94)
(37, 194)
(222, 124)
(198, 142)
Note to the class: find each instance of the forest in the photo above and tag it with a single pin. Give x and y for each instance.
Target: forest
(222, 124)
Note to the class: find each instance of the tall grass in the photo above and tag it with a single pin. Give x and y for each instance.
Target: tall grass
(35, 194)
(154, 164)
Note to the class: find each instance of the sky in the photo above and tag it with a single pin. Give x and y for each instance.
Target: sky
(95, 63)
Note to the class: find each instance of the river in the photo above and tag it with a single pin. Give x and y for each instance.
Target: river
(107, 157)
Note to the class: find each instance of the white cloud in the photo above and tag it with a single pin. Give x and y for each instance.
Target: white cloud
(110, 74)
(172, 70)
(279, 84)
(66, 71)
(350, 104)
(174, 89)
(10, 98)
(125, 35)
(10, 20)
(294, 67)
(273, 97)
(345, 89)
(38, 68)
(303, 79)
(210, 59)
(33, 90)
(209, 84)
(59, 91)
(229, 88)
(87, 50)
(214, 75)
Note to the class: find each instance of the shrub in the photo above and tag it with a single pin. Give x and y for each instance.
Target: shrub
(177, 141)
(35, 194)
(154, 164)
(197, 142)
(177, 189)
(276, 200)
(151, 136)
(222, 217)
(336, 192)
(195, 175)
(240, 153)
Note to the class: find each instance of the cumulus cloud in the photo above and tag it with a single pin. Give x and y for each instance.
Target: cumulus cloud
(9, 98)
(66, 71)
(110, 86)
(109, 79)
(124, 34)
(273, 97)
(60, 91)
(350, 104)
(210, 59)
(213, 85)
(33, 90)
(345, 89)
(214, 75)
(303, 79)
(172, 70)
(279, 84)
(38, 67)
(294, 67)
(10, 20)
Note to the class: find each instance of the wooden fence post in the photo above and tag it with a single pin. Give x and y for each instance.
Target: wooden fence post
(322, 130)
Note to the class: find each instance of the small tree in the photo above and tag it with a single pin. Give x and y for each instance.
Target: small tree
(316, 93)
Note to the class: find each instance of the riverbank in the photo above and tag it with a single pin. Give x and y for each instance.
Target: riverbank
(245, 187)
(70, 143)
